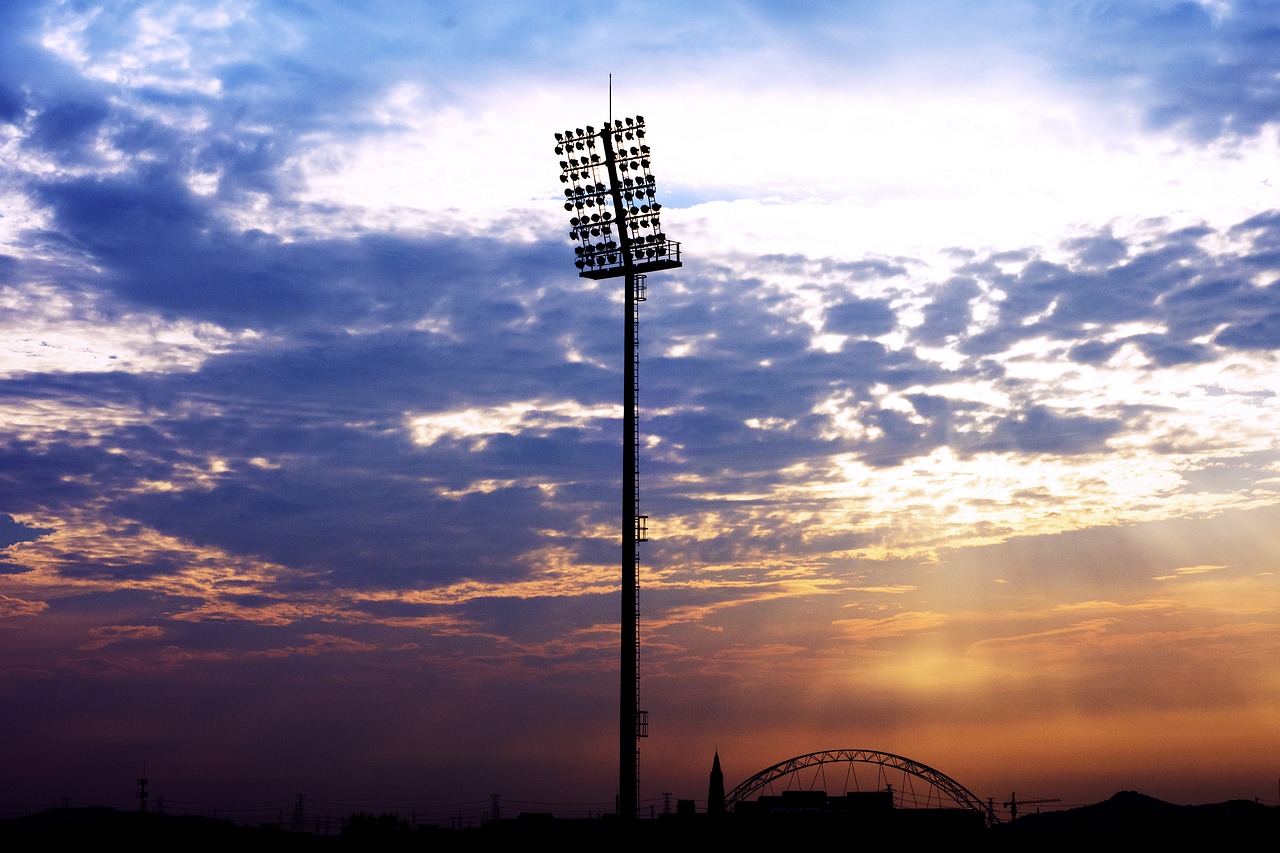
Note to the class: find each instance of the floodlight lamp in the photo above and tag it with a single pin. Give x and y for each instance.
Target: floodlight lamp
(580, 133)
(640, 133)
(591, 130)
(559, 137)
(568, 205)
(617, 122)
(630, 121)
(639, 119)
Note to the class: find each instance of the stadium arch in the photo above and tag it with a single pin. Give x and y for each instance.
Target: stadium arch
(918, 786)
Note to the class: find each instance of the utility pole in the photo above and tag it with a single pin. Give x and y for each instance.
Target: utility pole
(611, 198)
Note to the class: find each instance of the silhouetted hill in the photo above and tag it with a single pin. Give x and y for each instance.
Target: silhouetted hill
(1133, 817)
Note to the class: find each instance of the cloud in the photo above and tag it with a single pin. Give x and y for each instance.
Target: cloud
(11, 607)
(13, 531)
(106, 635)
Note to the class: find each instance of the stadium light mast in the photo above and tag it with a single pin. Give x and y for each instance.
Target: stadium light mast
(611, 199)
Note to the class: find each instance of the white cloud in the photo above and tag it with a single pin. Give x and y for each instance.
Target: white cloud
(481, 422)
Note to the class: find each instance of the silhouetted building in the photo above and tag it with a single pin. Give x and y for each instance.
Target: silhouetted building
(715, 790)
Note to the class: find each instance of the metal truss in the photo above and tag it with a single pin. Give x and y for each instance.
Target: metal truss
(942, 791)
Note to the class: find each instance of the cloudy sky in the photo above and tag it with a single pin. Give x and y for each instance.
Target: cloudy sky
(959, 421)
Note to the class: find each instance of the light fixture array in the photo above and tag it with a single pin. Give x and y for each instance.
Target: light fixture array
(611, 198)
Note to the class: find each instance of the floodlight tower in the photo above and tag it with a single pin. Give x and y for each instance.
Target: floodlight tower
(611, 199)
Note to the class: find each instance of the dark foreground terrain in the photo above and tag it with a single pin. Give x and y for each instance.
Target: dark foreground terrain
(1127, 817)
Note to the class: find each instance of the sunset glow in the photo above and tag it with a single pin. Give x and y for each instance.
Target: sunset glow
(958, 422)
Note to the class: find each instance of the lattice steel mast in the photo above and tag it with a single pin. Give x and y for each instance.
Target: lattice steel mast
(611, 198)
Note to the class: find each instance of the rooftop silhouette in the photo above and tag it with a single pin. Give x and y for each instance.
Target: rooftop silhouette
(1127, 817)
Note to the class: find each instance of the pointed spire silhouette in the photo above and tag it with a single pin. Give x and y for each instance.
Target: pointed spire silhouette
(715, 790)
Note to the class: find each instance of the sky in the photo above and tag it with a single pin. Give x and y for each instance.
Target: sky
(958, 421)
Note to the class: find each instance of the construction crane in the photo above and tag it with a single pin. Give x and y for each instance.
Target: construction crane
(1014, 802)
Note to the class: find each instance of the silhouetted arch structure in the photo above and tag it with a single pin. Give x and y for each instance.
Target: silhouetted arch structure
(915, 786)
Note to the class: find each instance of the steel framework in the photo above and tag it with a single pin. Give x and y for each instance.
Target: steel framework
(614, 217)
(941, 790)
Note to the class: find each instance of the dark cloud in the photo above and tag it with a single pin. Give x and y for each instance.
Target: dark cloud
(359, 502)
(949, 313)
(163, 248)
(92, 567)
(360, 530)
(65, 471)
(348, 498)
(1039, 429)
(12, 532)
(861, 317)
(1166, 352)
(1260, 332)
(1094, 352)
(1170, 282)
(1098, 250)
(69, 128)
